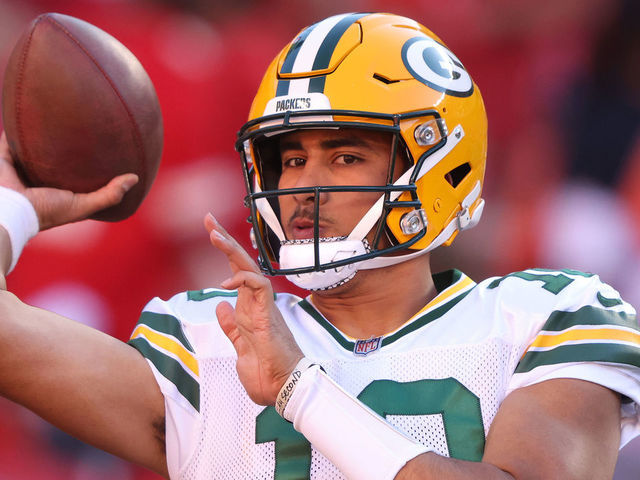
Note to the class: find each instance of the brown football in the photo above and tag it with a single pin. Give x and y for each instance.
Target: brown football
(78, 109)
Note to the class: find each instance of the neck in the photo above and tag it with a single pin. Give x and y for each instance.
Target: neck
(378, 301)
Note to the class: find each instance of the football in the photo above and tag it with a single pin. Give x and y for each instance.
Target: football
(78, 109)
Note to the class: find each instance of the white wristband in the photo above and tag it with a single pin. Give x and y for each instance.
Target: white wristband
(19, 219)
(290, 384)
(353, 437)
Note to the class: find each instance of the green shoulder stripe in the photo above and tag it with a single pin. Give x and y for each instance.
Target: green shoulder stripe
(200, 295)
(588, 315)
(167, 324)
(171, 370)
(604, 353)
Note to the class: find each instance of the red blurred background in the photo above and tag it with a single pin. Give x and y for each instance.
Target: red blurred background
(560, 83)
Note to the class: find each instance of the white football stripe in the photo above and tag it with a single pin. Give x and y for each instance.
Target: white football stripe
(299, 86)
(308, 52)
(309, 49)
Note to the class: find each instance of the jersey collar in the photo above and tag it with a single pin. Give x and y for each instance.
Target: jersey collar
(452, 287)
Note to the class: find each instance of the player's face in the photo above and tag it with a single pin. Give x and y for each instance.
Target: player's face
(333, 158)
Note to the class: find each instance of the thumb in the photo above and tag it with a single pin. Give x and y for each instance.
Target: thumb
(57, 207)
(109, 195)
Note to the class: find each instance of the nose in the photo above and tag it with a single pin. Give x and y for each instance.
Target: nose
(311, 175)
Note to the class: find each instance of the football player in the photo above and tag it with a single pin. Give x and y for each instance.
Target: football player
(365, 149)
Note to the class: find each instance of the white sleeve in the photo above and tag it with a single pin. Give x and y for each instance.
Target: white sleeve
(161, 338)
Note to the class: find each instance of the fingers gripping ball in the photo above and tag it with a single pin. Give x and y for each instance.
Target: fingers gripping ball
(78, 109)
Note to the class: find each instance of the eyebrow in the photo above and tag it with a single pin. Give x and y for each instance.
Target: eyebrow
(327, 144)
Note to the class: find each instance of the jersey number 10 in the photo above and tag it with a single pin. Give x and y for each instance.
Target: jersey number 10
(458, 406)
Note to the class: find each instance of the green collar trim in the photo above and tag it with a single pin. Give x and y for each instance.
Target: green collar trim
(442, 281)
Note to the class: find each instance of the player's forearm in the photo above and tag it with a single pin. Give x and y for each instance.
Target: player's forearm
(432, 466)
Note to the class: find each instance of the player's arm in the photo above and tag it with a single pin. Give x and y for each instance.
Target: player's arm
(561, 428)
(85, 382)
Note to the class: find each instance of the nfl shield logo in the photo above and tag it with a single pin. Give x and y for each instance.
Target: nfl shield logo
(363, 347)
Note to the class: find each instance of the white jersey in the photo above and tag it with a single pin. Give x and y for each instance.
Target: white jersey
(440, 377)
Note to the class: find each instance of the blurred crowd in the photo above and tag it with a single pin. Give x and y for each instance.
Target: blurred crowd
(560, 82)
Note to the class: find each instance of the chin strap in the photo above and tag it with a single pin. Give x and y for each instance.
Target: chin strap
(301, 254)
(295, 255)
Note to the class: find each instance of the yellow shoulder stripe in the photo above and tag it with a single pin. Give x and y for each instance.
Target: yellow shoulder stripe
(604, 335)
(169, 345)
(446, 294)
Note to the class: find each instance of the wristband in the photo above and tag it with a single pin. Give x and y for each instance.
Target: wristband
(19, 219)
(359, 442)
(290, 384)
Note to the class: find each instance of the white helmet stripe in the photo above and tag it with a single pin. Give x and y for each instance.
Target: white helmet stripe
(314, 50)
(309, 49)
(308, 52)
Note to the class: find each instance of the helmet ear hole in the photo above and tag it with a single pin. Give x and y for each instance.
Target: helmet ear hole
(455, 176)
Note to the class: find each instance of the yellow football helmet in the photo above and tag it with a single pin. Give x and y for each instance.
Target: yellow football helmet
(381, 72)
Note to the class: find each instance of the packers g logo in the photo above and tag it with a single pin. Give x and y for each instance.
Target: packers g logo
(436, 66)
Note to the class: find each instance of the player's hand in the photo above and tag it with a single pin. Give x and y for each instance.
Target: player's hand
(56, 207)
(267, 351)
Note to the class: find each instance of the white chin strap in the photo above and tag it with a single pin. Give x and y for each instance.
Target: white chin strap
(300, 254)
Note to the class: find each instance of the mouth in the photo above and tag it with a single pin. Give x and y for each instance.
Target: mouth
(302, 228)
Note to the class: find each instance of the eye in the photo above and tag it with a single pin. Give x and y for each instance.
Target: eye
(293, 162)
(348, 159)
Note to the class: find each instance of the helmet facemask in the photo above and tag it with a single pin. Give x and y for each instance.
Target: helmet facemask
(321, 263)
